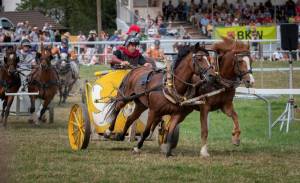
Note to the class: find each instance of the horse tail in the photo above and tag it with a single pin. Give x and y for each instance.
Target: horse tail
(112, 104)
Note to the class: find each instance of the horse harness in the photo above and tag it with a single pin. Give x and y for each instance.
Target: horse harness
(7, 84)
(170, 91)
(228, 83)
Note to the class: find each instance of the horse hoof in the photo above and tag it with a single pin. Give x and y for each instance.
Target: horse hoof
(4, 125)
(120, 137)
(106, 134)
(204, 153)
(163, 148)
(236, 142)
(43, 119)
(37, 123)
(169, 154)
(136, 150)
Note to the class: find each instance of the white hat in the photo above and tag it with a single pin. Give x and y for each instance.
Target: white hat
(93, 32)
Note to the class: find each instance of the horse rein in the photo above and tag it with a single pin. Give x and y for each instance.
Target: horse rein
(176, 98)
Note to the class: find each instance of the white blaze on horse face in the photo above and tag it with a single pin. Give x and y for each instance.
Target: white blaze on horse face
(247, 60)
(205, 57)
(11, 56)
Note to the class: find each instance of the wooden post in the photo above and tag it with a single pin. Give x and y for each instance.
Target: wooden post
(99, 18)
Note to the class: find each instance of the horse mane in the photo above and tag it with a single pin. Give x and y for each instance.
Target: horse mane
(183, 50)
(228, 44)
(7, 39)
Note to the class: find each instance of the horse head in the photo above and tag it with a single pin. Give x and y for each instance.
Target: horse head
(201, 63)
(237, 63)
(45, 57)
(11, 61)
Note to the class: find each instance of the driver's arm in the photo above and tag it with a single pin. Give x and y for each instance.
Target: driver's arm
(116, 57)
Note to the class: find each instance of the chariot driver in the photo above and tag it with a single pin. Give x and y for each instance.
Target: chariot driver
(27, 60)
(128, 54)
(64, 54)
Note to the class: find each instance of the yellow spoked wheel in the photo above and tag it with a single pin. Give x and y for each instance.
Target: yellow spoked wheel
(163, 132)
(79, 128)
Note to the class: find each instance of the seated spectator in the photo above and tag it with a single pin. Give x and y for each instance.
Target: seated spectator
(209, 29)
(277, 55)
(203, 24)
(149, 21)
(170, 30)
(156, 52)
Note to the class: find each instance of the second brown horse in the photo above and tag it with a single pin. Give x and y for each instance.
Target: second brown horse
(44, 80)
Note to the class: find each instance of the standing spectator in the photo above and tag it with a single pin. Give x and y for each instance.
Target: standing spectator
(194, 7)
(51, 33)
(81, 38)
(164, 9)
(170, 11)
(34, 37)
(57, 36)
(186, 10)
(45, 36)
(136, 16)
(298, 7)
(290, 8)
(2, 37)
(91, 47)
(179, 10)
(46, 26)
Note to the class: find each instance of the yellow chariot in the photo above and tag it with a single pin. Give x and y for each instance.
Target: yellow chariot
(89, 116)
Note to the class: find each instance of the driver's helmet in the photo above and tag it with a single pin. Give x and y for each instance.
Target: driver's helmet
(25, 42)
(156, 42)
(64, 56)
(132, 40)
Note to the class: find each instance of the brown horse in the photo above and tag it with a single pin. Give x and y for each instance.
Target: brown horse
(10, 81)
(44, 80)
(191, 60)
(234, 66)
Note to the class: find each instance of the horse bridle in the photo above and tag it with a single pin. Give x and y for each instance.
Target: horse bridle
(238, 57)
(198, 69)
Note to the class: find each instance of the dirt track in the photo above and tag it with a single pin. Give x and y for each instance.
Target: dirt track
(4, 152)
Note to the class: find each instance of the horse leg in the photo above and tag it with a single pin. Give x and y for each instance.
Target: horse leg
(45, 107)
(228, 109)
(138, 110)
(152, 118)
(33, 118)
(10, 100)
(175, 120)
(204, 130)
(60, 94)
(3, 109)
(153, 127)
(65, 94)
(118, 106)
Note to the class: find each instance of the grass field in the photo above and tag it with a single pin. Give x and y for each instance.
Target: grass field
(43, 154)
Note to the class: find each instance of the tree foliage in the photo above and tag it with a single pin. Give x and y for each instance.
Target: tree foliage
(76, 15)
